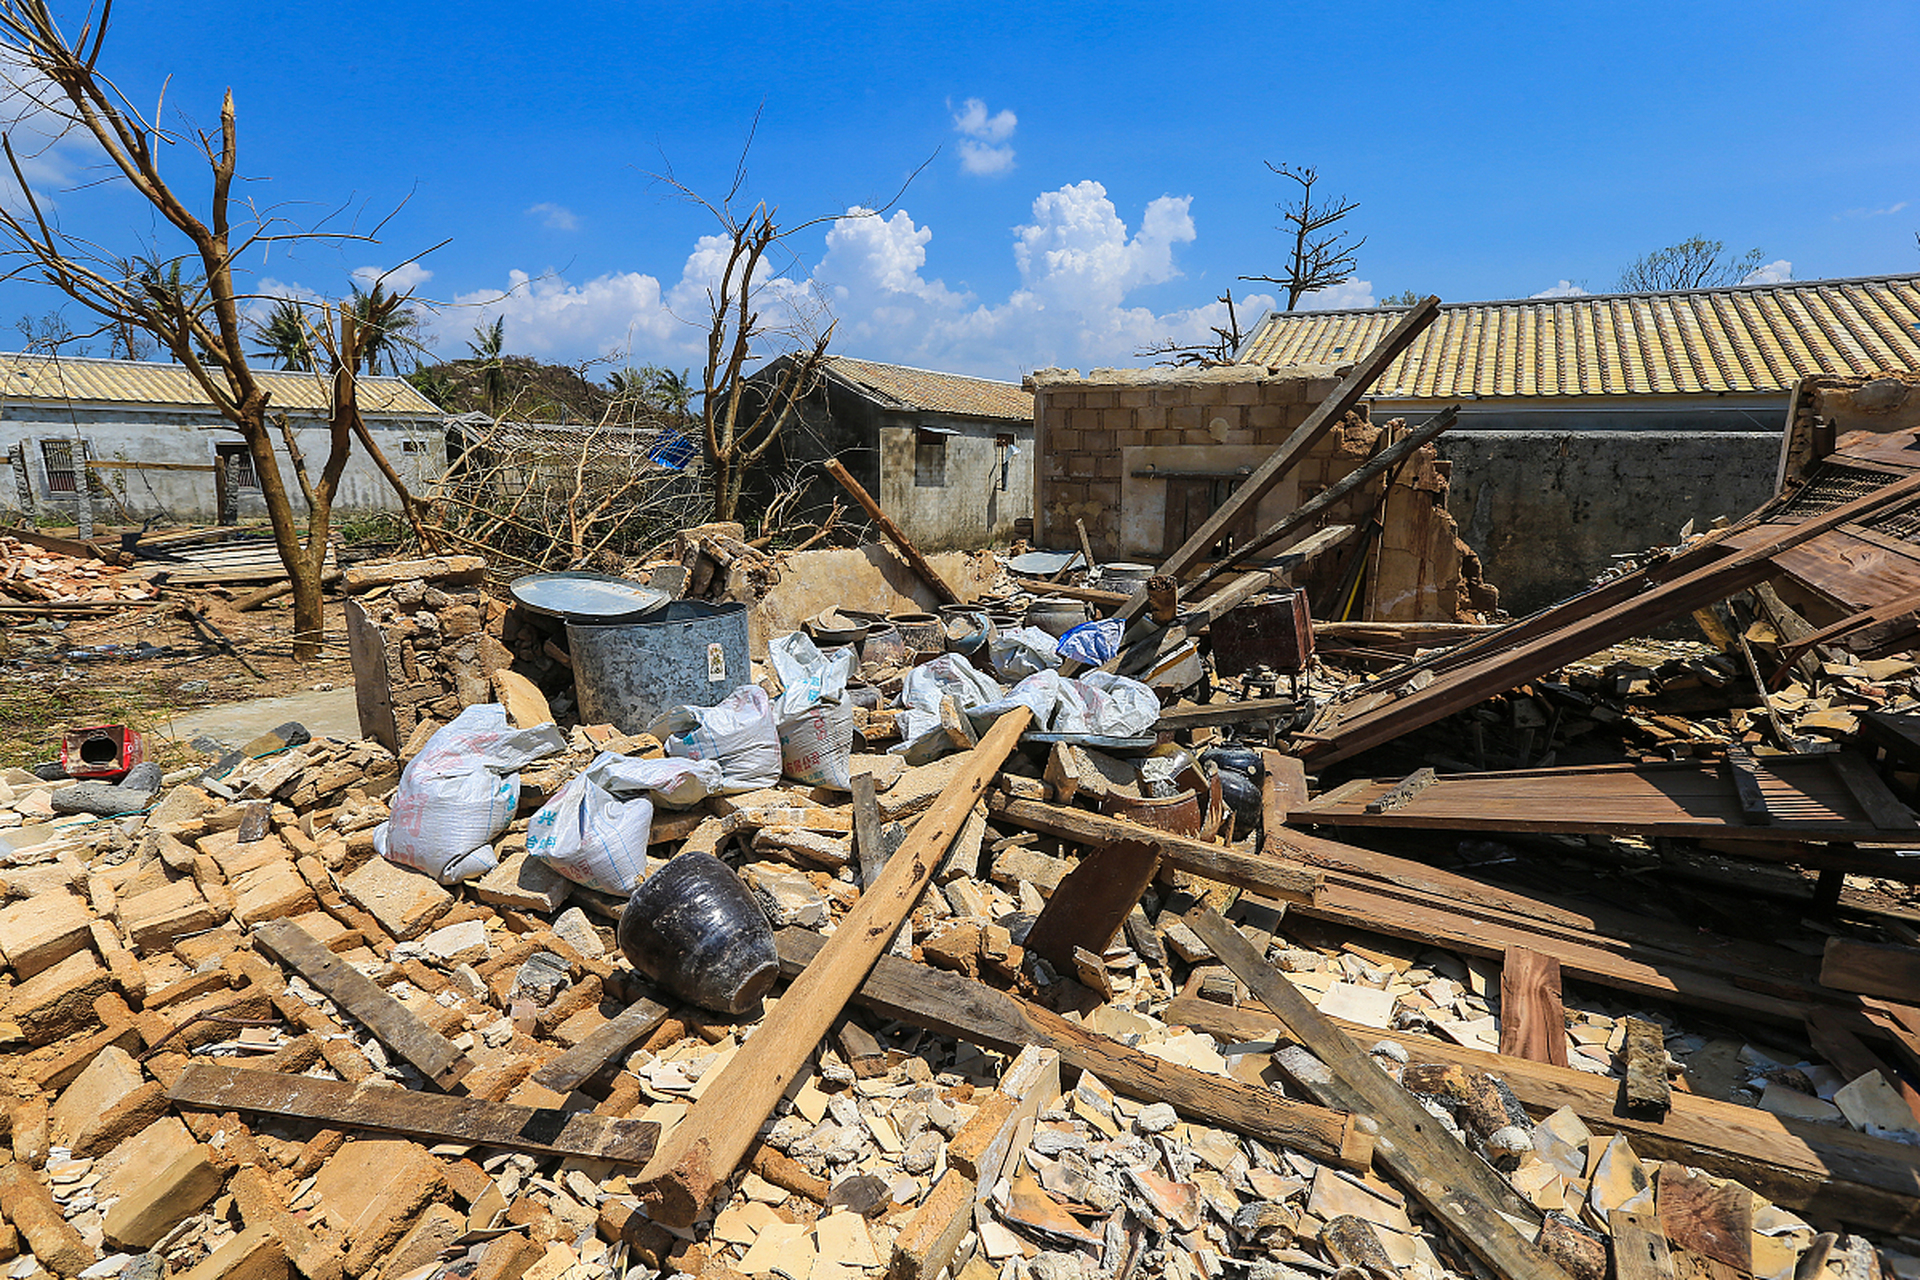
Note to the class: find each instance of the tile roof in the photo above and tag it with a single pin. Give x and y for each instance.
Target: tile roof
(910, 388)
(1751, 338)
(84, 380)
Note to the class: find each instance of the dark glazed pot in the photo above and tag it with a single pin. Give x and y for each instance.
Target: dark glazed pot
(694, 928)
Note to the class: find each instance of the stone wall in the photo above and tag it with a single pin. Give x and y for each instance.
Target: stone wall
(439, 654)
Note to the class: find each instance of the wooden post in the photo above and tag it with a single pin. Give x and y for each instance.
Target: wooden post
(908, 552)
(705, 1148)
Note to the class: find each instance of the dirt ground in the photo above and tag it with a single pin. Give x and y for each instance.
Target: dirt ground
(75, 671)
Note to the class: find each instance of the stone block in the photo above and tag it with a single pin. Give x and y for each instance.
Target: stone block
(155, 918)
(1187, 417)
(275, 891)
(125, 1169)
(42, 931)
(59, 1000)
(433, 1231)
(1171, 397)
(405, 902)
(180, 1189)
(1099, 399)
(523, 883)
(375, 1188)
(786, 895)
(254, 1254)
(106, 1104)
(1016, 864)
(184, 804)
(30, 1207)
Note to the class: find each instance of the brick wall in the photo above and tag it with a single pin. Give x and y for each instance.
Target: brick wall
(1096, 437)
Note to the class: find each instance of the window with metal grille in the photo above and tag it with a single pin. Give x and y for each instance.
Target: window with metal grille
(1832, 485)
(239, 462)
(63, 472)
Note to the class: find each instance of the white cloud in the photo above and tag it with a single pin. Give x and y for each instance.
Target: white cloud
(1871, 213)
(1349, 296)
(404, 278)
(1078, 262)
(1778, 272)
(984, 149)
(555, 217)
(1564, 289)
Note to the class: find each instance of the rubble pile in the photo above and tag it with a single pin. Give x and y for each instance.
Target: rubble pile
(33, 574)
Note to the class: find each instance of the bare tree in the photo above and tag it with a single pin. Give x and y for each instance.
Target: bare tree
(1691, 264)
(1318, 261)
(1227, 340)
(741, 418)
(197, 319)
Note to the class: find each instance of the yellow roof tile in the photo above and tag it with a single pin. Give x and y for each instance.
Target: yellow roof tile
(84, 380)
(1751, 338)
(955, 393)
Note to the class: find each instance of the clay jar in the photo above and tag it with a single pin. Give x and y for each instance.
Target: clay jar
(694, 929)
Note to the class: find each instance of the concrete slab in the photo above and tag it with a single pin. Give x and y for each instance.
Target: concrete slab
(330, 714)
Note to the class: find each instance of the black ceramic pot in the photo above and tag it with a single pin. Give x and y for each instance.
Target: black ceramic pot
(694, 929)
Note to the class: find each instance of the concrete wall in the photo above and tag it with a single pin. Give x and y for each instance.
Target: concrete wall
(969, 507)
(417, 451)
(1548, 510)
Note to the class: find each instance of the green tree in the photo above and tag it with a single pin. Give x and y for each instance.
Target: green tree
(283, 336)
(389, 325)
(490, 341)
(1691, 264)
(1405, 298)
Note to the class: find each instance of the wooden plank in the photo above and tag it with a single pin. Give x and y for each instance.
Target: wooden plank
(1283, 788)
(1639, 1247)
(385, 1107)
(1284, 881)
(703, 1150)
(1581, 629)
(868, 841)
(1186, 716)
(1712, 1220)
(908, 552)
(1815, 1169)
(1645, 1090)
(566, 1072)
(1295, 447)
(955, 1005)
(437, 1057)
(1456, 1186)
(117, 465)
(1746, 783)
(1871, 969)
(1092, 901)
(1881, 806)
(1533, 1022)
(1402, 791)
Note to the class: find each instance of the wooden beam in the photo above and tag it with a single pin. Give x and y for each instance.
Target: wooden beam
(382, 1106)
(1533, 1022)
(1268, 876)
(1454, 1184)
(1818, 1170)
(391, 1022)
(584, 1060)
(1871, 969)
(955, 1005)
(1639, 1247)
(908, 552)
(93, 465)
(1645, 1090)
(1186, 716)
(1746, 784)
(1290, 451)
(706, 1146)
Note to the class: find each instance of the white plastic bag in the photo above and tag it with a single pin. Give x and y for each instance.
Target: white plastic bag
(460, 793)
(1021, 652)
(596, 829)
(926, 686)
(1099, 703)
(739, 733)
(813, 716)
(1131, 710)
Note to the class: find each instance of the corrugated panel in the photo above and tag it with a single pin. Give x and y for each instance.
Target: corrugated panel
(1754, 338)
(955, 393)
(81, 380)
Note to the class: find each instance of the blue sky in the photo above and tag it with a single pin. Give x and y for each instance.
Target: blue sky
(1098, 178)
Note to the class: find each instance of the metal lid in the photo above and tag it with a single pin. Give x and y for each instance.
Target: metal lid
(1044, 563)
(587, 597)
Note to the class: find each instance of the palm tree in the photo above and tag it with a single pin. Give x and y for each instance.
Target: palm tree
(392, 325)
(284, 337)
(491, 340)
